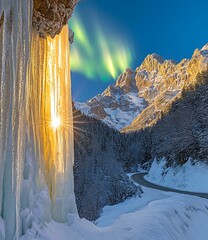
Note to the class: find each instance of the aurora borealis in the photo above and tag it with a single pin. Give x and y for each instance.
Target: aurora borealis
(100, 54)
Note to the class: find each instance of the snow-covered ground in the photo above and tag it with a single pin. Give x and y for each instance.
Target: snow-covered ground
(156, 215)
(192, 176)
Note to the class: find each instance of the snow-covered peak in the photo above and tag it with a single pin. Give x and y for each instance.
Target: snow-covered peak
(205, 47)
(118, 105)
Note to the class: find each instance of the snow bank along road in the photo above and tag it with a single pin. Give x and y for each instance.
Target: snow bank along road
(139, 178)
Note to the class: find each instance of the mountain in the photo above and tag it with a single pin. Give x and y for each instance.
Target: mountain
(138, 97)
(118, 105)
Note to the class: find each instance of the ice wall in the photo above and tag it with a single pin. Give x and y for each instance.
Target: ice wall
(50, 118)
(36, 157)
(14, 49)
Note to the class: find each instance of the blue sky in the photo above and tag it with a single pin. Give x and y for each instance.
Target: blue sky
(173, 29)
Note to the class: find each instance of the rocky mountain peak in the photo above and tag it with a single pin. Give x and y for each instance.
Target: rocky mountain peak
(201, 52)
(205, 47)
(156, 57)
(126, 81)
(152, 62)
(118, 105)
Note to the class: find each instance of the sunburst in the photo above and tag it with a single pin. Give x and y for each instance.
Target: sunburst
(55, 122)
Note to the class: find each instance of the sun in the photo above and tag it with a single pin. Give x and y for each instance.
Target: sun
(55, 122)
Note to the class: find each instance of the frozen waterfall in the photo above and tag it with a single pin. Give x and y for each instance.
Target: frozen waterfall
(49, 101)
(36, 127)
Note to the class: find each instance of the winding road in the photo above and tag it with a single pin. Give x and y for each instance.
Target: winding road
(139, 178)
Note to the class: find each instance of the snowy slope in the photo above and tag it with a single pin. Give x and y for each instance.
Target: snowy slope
(156, 216)
(191, 176)
(116, 117)
(118, 105)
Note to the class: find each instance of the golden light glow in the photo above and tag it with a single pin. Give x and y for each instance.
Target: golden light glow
(49, 100)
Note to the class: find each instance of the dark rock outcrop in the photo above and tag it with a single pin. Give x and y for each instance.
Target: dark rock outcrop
(49, 16)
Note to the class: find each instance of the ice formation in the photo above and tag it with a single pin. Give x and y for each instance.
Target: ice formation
(50, 116)
(36, 156)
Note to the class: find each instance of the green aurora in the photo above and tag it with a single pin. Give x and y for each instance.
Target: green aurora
(99, 55)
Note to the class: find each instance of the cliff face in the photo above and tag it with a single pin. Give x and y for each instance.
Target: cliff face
(160, 82)
(49, 16)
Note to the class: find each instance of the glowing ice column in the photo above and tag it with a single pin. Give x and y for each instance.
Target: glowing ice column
(15, 25)
(50, 116)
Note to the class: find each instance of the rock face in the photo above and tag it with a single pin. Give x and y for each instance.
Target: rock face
(118, 105)
(138, 97)
(161, 82)
(49, 16)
